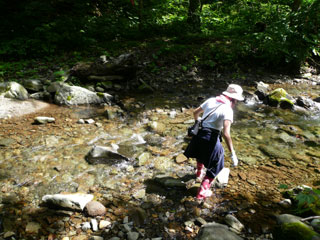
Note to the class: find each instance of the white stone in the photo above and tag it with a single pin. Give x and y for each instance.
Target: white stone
(80, 121)
(43, 120)
(14, 90)
(74, 95)
(33, 227)
(221, 180)
(286, 203)
(104, 224)
(94, 224)
(76, 201)
(89, 121)
(86, 226)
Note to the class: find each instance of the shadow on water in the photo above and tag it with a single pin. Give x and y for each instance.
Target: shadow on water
(171, 188)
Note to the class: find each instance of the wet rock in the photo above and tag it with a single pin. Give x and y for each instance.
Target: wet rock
(170, 182)
(104, 155)
(249, 160)
(140, 194)
(5, 142)
(132, 235)
(233, 222)
(153, 140)
(181, 158)
(76, 201)
(44, 120)
(280, 97)
(162, 163)
(94, 208)
(274, 152)
(157, 127)
(33, 227)
(138, 216)
(285, 137)
(144, 158)
(262, 90)
(216, 231)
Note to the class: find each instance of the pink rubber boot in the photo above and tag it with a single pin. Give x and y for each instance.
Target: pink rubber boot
(204, 190)
(200, 172)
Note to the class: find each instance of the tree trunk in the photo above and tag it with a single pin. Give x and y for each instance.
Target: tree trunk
(140, 14)
(194, 14)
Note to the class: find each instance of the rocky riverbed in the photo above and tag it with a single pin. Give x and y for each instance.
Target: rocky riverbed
(151, 194)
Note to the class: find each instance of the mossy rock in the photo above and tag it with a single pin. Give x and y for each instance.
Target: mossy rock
(294, 231)
(280, 96)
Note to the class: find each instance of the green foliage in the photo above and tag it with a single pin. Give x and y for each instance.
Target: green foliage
(266, 33)
(308, 201)
(283, 186)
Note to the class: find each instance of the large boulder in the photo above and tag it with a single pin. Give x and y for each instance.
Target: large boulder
(118, 69)
(74, 95)
(290, 227)
(279, 97)
(13, 90)
(216, 231)
(34, 85)
(262, 90)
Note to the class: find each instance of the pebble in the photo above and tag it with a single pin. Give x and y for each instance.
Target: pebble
(94, 208)
(86, 226)
(133, 235)
(89, 121)
(104, 224)
(94, 225)
(43, 120)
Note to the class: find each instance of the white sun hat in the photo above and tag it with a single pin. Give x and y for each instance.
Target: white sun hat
(234, 91)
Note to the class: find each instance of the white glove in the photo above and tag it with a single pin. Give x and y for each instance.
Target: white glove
(234, 158)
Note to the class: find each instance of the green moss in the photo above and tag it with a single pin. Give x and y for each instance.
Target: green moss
(294, 231)
(100, 94)
(280, 95)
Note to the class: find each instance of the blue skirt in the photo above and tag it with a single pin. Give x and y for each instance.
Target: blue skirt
(206, 147)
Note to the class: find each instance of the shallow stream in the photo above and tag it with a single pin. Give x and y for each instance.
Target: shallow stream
(274, 146)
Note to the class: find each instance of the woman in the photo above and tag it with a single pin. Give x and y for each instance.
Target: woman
(206, 146)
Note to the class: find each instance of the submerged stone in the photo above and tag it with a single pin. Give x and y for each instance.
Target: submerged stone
(104, 155)
(216, 231)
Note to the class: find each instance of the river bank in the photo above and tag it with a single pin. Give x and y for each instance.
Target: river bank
(150, 128)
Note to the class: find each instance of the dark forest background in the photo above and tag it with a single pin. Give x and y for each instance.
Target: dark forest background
(267, 33)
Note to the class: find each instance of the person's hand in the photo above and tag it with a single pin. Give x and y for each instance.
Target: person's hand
(234, 159)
